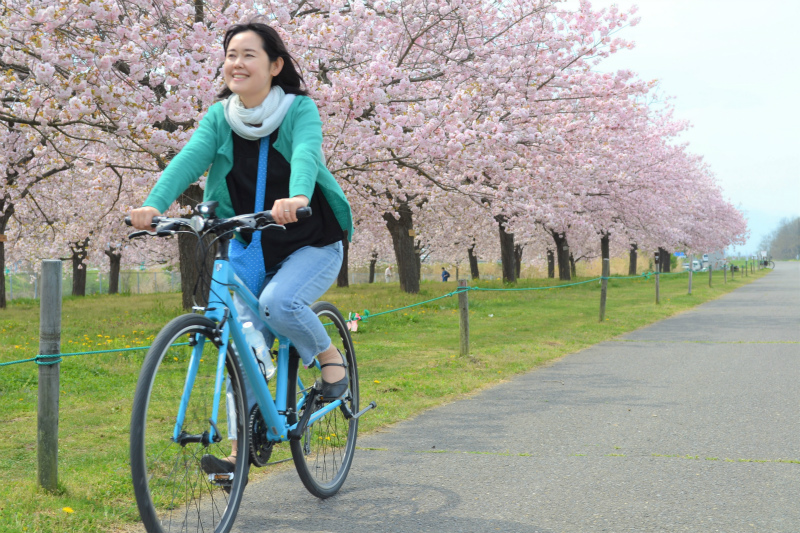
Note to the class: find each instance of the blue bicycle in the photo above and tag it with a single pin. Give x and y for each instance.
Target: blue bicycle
(191, 399)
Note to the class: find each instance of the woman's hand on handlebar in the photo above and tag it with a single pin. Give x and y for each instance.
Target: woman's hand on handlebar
(142, 217)
(284, 211)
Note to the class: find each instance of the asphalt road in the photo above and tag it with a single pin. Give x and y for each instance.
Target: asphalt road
(690, 424)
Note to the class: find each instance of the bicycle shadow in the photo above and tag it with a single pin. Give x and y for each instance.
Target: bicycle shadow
(375, 506)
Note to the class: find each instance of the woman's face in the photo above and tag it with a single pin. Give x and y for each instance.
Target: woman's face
(247, 69)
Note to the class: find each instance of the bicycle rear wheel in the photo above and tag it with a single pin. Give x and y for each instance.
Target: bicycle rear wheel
(324, 453)
(172, 491)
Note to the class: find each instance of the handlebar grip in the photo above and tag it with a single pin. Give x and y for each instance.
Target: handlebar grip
(303, 212)
(153, 224)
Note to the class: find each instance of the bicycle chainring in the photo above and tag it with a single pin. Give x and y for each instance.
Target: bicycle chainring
(260, 447)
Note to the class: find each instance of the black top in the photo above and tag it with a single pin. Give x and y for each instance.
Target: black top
(320, 229)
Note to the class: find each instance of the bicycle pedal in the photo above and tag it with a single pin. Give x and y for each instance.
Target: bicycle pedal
(221, 479)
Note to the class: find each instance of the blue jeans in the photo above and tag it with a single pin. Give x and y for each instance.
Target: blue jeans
(290, 288)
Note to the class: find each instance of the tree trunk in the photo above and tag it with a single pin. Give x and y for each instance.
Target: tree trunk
(402, 232)
(518, 249)
(572, 266)
(551, 264)
(79, 254)
(473, 262)
(506, 250)
(187, 251)
(343, 280)
(114, 258)
(663, 258)
(372, 263)
(7, 210)
(2, 275)
(633, 257)
(606, 272)
(562, 254)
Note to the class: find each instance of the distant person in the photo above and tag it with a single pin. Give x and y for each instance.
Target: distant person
(445, 274)
(387, 274)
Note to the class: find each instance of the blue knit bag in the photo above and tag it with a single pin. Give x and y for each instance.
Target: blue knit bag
(248, 259)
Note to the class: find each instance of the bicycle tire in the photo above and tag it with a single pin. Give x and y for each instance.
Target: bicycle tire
(172, 491)
(772, 265)
(323, 455)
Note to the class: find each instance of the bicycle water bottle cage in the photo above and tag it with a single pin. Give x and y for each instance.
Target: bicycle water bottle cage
(206, 209)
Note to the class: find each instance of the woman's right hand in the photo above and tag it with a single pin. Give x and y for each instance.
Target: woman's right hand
(142, 217)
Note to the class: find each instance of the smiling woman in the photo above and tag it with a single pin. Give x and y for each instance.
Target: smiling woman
(263, 142)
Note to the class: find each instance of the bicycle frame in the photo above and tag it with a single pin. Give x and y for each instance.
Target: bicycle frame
(221, 310)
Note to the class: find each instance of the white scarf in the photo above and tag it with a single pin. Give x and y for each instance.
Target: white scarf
(269, 114)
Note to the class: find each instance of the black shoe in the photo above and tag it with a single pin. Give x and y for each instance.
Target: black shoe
(214, 465)
(334, 391)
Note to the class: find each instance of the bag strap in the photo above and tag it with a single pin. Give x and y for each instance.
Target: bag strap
(261, 185)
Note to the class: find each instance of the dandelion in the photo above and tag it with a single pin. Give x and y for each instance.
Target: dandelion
(68, 510)
(377, 381)
(175, 358)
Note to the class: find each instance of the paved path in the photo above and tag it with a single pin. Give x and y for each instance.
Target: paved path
(686, 425)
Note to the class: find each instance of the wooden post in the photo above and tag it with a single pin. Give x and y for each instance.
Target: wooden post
(604, 288)
(691, 271)
(724, 274)
(745, 268)
(732, 272)
(49, 372)
(658, 300)
(463, 308)
(710, 269)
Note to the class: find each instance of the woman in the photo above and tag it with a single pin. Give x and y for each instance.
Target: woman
(266, 119)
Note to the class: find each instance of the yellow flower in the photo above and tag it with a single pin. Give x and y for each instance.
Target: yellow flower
(377, 381)
(68, 510)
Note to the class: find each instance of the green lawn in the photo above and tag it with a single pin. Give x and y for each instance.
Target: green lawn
(408, 361)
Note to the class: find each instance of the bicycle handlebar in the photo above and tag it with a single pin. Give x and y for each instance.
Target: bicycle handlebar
(166, 226)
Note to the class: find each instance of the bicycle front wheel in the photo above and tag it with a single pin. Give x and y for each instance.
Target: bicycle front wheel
(173, 492)
(324, 453)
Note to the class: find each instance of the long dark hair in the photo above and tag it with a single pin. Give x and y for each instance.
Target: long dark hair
(289, 79)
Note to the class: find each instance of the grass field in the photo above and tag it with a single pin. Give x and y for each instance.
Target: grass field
(408, 362)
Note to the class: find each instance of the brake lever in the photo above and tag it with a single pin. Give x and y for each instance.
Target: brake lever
(141, 233)
(273, 226)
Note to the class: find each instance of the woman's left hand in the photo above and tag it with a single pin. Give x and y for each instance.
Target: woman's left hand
(284, 211)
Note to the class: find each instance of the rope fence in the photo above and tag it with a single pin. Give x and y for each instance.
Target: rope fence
(356, 317)
(49, 355)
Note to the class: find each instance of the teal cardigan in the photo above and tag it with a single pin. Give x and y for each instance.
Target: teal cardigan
(299, 141)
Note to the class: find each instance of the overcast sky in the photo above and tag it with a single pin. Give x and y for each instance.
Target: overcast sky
(733, 68)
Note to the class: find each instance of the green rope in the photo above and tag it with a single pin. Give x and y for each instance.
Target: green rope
(40, 359)
(368, 315)
(18, 362)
